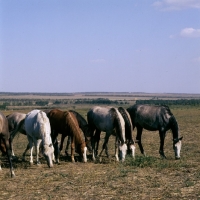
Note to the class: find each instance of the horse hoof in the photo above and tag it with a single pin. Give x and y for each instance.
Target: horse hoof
(12, 175)
(100, 159)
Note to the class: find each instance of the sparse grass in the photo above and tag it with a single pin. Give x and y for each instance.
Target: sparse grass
(147, 177)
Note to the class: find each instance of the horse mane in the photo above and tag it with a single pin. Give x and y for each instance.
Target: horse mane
(174, 126)
(128, 123)
(117, 124)
(74, 127)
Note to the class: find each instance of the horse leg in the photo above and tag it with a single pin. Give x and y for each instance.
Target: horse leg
(97, 139)
(37, 149)
(105, 145)
(27, 147)
(138, 138)
(67, 145)
(162, 138)
(93, 148)
(116, 149)
(62, 141)
(55, 145)
(72, 148)
(8, 150)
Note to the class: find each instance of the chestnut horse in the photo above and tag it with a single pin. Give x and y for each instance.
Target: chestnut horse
(66, 123)
(153, 118)
(83, 125)
(5, 137)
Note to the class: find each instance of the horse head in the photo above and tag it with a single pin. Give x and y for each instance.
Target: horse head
(123, 149)
(177, 147)
(83, 152)
(49, 154)
(131, 147)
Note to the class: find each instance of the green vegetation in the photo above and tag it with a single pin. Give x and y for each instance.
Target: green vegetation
(191, 102)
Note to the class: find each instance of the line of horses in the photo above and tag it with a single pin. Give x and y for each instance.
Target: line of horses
(42, 129)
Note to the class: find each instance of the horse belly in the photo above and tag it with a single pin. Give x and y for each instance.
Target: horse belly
(148, 124)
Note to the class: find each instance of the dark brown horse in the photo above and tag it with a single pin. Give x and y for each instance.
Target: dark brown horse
(153, 118)
(66, 123)
(5, 137)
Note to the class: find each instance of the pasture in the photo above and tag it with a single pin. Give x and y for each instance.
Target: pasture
(143, 178)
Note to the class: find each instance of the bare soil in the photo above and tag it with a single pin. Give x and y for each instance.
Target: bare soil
(143, 178)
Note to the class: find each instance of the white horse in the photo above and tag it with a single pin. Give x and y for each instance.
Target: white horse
(110, 121)
(37, 127)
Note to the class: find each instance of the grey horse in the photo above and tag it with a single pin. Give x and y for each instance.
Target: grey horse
(153, 118)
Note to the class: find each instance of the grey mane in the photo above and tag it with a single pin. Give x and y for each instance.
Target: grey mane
(117, 124)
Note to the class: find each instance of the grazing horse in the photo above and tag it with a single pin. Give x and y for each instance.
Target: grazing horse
(37, 127)
(5, 139)
(128, 130)
(153, 118)
(110, 121)
(83, 125)
(15, 124)
(66, 123)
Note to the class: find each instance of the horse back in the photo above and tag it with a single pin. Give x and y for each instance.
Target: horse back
(37, 123)
(16, 121)
(81, 121)
(150, 117)
(101, 118)
(57, 120)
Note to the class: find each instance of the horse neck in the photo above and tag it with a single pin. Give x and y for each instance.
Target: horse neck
(75, 131)
(128, 124)
(174, 127)
(119, 125)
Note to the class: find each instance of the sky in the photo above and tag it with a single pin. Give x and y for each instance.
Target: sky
(100, 46)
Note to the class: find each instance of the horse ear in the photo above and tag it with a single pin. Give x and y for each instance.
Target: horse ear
(180, 138)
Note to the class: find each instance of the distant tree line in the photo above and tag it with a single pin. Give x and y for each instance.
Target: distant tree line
(191, 102)
(47, 102)
(99, 101)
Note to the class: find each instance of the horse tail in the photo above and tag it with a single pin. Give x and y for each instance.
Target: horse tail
(119, 124)
(15, 133)
(128, 124)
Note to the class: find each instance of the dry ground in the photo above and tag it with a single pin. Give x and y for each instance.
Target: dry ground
(143, 178)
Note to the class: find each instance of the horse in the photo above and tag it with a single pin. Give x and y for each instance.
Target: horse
(153, 118)
(15, 124)
(128, 130)
(83, 125)
(5, 139)
(107, 119)
(66, 123)
(37, 127)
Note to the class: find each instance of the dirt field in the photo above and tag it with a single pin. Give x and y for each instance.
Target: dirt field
(143, 178)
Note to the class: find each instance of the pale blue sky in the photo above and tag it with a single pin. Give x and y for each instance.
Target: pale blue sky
(100, 46)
